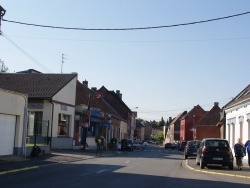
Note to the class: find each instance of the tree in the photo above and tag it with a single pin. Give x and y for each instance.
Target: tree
(159, 136)
(139, 120)
(3, 68)
(161, 123)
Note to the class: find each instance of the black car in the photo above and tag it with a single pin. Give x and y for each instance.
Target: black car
(214, 151)
(191, 148)
(127, 145)
(168, 145)
(182, 145)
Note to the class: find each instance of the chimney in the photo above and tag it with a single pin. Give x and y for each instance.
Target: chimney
(170, 119)
(216, 104)
(94, 88)
(85, 82)
(119, 94)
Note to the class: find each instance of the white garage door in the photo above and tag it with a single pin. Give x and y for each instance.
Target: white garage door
(7, 134)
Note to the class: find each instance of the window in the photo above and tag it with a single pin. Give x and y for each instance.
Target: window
(35, 123)
(63, 125)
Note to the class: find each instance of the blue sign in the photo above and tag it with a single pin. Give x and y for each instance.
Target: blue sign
(107, 125)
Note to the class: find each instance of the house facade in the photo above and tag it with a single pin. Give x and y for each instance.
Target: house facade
(147, 130)
(139, 132)
(155, 129)
(51, 107)
(173, 132)
(188, 122)
(237, 117)
(13, 121)
(127, 117)
(113, 121)
(207, 126)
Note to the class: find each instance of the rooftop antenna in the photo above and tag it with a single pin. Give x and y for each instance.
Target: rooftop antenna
(62, 62)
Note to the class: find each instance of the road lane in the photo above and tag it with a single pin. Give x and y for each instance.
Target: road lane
(152, 167)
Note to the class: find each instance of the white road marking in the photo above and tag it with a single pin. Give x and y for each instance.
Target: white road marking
(101, 171)
(127, 162)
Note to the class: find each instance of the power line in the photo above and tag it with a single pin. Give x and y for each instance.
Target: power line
(127, 29)
(24, 52)
(171, 111)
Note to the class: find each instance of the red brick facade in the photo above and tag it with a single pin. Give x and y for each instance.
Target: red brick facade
(189, 121)
(207, 132)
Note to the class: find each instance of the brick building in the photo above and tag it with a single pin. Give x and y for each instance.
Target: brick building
(188, 122)
(206, 127)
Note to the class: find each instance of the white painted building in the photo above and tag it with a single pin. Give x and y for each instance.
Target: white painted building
(51, 107)
(13, 117)
(237, 113)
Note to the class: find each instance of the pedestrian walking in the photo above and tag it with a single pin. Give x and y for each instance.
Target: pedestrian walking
(239, 151)
(247, 146)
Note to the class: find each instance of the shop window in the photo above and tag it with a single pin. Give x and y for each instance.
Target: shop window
(63, 125)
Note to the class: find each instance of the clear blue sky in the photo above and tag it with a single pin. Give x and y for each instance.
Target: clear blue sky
(162, 71)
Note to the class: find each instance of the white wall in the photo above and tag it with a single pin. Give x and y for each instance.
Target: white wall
(64, 103)
(13, 103)
(237, 123)
(68, 93)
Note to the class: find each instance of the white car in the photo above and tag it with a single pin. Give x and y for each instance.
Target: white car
(145, 143)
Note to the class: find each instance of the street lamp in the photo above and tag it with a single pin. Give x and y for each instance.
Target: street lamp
(134, 108)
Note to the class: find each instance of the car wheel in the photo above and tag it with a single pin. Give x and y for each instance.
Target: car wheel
(202, 164)
(231, 166)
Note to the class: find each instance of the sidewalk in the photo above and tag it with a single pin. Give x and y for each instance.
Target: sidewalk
(10, 164)
(244, 173)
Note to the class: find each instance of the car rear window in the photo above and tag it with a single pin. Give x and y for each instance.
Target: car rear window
(194, 144)
(217, 143)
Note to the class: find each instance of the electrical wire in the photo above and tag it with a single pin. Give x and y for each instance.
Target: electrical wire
(171, 112)
(127, 29)
(24, 52)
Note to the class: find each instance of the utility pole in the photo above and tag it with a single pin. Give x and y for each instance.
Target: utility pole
(2, 13)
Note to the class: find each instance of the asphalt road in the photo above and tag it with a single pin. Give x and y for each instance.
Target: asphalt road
(151, 167)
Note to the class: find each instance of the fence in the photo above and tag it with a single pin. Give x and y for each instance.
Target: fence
(38, 133)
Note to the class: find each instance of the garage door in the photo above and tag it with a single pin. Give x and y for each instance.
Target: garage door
(7, 134)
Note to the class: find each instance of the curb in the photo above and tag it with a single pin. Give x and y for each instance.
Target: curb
(74, 159)
(19, 170)
(212, 172)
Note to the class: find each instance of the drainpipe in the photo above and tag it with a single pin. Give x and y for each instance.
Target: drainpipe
(52, 119)
(25, 123)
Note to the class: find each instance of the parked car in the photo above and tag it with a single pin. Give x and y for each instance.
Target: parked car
(191, 148)
(145, 143)
(127, 145)
(168, 145)
(159, 143)
(137, 145)
(174, 145)
(214, 151)
(182, 145)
